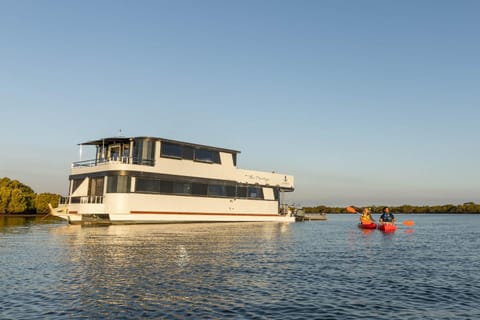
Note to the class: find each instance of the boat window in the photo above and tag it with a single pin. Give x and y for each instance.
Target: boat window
(166, 186)
(126, 153)
(171, 150)
(118, 184)
(187, 153)
(203, 155)
(75, 199)
(75, 184)
(123, 184)
(192, 188)
(276, 194)
(241, 192)
(255, 193)
(199, 189)
(206, 155)
(143, 152)
(147, 185)
(230, 191)
(182, 188)
(95, 187)
(178, 151)
(217, 190)
(216, 157)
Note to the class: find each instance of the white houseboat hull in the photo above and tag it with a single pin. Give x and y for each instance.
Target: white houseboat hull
(170, 218)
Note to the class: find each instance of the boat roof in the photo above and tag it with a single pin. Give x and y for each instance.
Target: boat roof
(115, 140)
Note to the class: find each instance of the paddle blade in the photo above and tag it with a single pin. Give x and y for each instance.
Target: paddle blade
(351, 209)
(408, 223)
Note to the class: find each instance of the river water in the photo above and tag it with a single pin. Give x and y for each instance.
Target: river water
(311, 270)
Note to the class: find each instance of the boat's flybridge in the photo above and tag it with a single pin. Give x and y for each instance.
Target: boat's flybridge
(157, 179)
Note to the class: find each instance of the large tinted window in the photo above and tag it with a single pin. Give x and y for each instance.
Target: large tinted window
(230, 191)
(255, 193)
(179, 151)
(241, 192)
(216, 157)
(206, 155)
(187, 153)
(166, 187)
(144, 151)
(118, 184)
(147, 185)
(203, 155)
(199, 189)
(276, 194)
(217, 190)
(75, 184)
(171, 150)
(182, 188)
(95, 187)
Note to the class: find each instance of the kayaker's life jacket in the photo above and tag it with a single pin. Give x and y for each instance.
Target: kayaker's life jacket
(365, 219)
(387, 217)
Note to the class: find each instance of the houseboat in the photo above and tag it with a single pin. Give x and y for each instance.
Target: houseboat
(156, 180)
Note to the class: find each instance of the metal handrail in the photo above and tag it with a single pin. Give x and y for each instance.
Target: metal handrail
(82, 200)
(91, 199)
(124, 160)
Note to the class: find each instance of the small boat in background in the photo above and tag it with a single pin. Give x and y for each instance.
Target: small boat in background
(371, 225)
(387, 227)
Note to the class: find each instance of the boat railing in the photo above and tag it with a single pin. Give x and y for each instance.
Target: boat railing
(82, 200)
(115, 159)
(91, 199)
(85, 163)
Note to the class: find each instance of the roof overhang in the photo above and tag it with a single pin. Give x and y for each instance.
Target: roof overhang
(121, 140)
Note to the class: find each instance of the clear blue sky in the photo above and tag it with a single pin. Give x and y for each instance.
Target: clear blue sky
(364, 102)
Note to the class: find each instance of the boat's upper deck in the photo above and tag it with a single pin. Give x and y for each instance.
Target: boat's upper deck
(141, 150)
(172, 157)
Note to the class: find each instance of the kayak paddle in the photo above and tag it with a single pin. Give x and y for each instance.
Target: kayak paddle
(408, 223)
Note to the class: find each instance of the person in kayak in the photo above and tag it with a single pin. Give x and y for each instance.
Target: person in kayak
(366, 217)
(387, 217)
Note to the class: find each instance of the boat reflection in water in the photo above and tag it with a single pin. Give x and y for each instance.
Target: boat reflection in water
(141, 266)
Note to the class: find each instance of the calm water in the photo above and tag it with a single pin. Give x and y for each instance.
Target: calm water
(312, 270)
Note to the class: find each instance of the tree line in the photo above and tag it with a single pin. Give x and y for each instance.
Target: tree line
(16, 198)
(468, 207)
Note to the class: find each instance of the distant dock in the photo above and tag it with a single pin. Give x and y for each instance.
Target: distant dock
(318, 216)
(314, 216)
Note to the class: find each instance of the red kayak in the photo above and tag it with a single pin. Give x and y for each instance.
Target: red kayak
(387, 227)
(371, 225)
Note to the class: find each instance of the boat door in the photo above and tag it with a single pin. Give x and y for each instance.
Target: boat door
(95, 190)
(115, 152)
